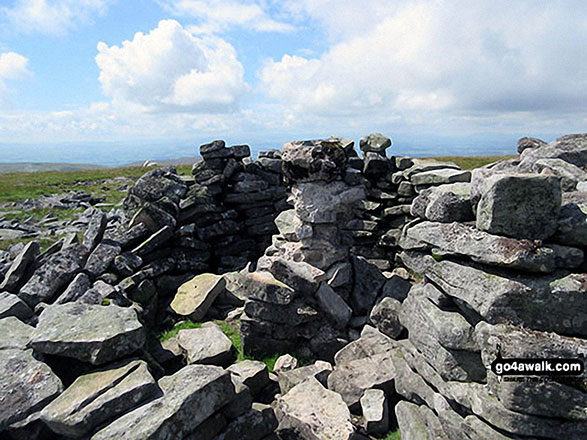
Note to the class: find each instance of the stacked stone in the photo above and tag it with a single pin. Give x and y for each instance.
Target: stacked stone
(244, 198)
(304, 291)
(510, 284)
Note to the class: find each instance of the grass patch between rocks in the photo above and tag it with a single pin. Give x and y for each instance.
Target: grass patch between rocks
(185, 325)
(471, 162)
(395, 435)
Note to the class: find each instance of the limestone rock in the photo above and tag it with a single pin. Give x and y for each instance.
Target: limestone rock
(12, 305)
(19, 266)
(572, 224)
(58, 270)
(418, 422)
(444, 203)
(288, 223)
(333, 305)
(253, 374)
(375, 411)
(206, 345)
(571, 148)
(529, 142)
(190, 396)
(482, 247)
(375, 143)
(368, 282)
(520, 206)
(15, 333)
(89, 333)
(285, 362)
(440, 176)
(194, 298)
(26, 385)
(369, 344)
(312, 412)
(305, 161)
(300, 276)
(96, 398)
(385, 316)
(569, 174)
(255, 424)
(319, 370)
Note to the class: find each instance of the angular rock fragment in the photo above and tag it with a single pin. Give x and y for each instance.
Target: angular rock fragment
(253, 374)
(102, 256)
(386, 317)
(17, 271)
(206, 345)
(194, 298)
(15, 333)
(12, 305)
(320, 370)
(87, 332)
(255, 424)
(440, 177)
(333, 306)
(374, 407)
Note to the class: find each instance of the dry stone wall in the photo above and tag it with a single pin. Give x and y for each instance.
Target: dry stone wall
(401, 279)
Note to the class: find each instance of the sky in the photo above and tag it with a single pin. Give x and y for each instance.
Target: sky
(115, 81)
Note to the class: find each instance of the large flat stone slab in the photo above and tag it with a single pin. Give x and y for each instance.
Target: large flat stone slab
(12, 305)
(96, 398)
(87, 332)
(194, 297)
(206, 345)
(15, 333)
(190, 396)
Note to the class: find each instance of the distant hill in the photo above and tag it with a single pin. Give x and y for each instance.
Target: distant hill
(188, 160)
(31, 167)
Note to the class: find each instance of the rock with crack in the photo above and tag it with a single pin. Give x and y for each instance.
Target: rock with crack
(26, 385)
(89, 333)
(418, 422)
(312, 412)
(194, 298)
(189, 397)
(386, 317)
(206, 345)
(94, 399)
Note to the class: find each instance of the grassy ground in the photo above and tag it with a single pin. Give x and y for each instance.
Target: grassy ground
(471, 162)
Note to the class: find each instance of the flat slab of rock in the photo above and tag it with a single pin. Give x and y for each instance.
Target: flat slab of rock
(87, 332)
(572, 223)
(334, 306)
(369, 344)
(375, 411)
(418, 422)
(15, 333)
(320, 370)
(19, 266)
(96, 398)
(206, 345)
(253, 374)
(190, 396)
(12, 305)
(482, 247)
(441, 176)
(26, 385)
(56, 272)
(310, 411)
(520, 205)
(194, 298)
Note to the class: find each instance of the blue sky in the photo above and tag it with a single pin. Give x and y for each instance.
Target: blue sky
(113, 81)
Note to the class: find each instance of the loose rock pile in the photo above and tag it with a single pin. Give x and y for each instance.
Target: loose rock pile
(485, 265)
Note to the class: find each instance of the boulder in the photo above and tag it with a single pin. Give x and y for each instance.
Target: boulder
(520, 206)
(288, 379)
(444, 203)
(190, 396)
(206, 345)
(369, 344)
(572, 224)
(440, 177)
(15, 333)
(57, 271)
(87, 332)
(569, 174)
(300, 276)
(78, 286)
(310, 411)
(253, 374)
(12, 305)
(418, 422)
(305, 161)
(95, 230)
(194, 298)
(101, 258)
(375, 143)
(482, 247)
(368, 281)
(351, 379)
(99, 397)
(385, 316)
(18, 269)
(375, 411)
(571, 148)
(333, 306)
(255, 424)
(530, 142)
(26, 385)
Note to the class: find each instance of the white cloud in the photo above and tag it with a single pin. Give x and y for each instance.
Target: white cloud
(53, 17)
(171, 70)
(425, 60)
(14, 66)
(218, 15)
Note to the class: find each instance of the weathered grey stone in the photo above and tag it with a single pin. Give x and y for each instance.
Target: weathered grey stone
(58, 270)
(520, 206)
(87, 332)
(351, 379)
(569, 174)
(418, 422)
(285, 362)
(290, 378)
(368, 281)
(339, 275)
(567, 257)
(17, 271)
(571, 148)
(300, 276)
(95, 231)
(80, 284)
(194, 298)
(312, 412)
(242, 400)
(255, 424)
(482, 247)
(154, 241)
(254, 374)
(99, 397)
(572, 225)
(264, 287)
(501, 297)
(26, 385)
(318, 203)
(444, 203)
(375, 411)
(206, 345)
(385, 316)
(375, 143)
(190, 396)
(530, 142)
(15, 333)
(440, 176)
(423, 165)
(102, 256)
(288, 223)
(375, 164)
(12, 305)
(369, 344)
(305, 161)
(333, 305)
(396, 287)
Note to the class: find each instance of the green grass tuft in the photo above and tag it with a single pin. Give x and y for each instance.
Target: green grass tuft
(395, 435)
(472, 162)
(164, 336)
